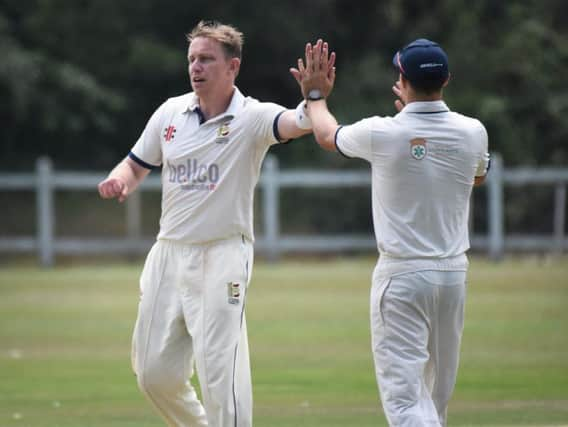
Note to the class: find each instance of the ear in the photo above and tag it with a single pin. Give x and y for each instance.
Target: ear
(235, 65)
(447, 80)
(403, 81)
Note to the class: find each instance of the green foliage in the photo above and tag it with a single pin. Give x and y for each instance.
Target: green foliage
(79, 79)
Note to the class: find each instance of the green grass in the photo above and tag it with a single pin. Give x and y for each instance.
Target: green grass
(65, 343)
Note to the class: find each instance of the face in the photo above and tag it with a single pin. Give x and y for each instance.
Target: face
(210, 71)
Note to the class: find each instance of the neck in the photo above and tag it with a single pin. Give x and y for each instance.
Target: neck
(212, 106)
(420, 97)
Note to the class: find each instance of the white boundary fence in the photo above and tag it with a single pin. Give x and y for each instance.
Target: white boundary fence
(272, 243)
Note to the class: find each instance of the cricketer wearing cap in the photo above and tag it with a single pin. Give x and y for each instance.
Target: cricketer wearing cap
(425, 161)
(210, 144)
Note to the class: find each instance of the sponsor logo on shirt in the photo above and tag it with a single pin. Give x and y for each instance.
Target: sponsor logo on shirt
(234, 292)
(418, 148)
(223, 133)
(194, 175)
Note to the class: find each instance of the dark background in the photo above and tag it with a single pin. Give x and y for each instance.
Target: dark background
(80, 78)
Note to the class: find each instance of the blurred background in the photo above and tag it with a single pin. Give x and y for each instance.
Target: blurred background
(80, 78)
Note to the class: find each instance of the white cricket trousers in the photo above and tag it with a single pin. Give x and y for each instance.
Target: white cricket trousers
(416, 326)
(192, 313)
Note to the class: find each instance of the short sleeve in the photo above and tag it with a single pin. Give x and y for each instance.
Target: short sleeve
(148, 149)
(265, 122)
(355, 140)
(485, 161)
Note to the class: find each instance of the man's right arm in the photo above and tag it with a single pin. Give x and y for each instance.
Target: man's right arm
(122, 180)
(324, 124)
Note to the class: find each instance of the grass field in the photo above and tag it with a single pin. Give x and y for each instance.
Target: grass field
(65, 342)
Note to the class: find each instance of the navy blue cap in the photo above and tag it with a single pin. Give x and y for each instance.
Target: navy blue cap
(423, 63)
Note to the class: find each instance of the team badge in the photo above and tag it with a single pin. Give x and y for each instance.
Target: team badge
(234, 291)
(223, 133)
(169, 133)
(418, 148)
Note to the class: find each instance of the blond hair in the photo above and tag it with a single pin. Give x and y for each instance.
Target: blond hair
(230, 38)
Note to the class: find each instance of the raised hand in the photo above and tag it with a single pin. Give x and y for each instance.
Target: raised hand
(318, 71)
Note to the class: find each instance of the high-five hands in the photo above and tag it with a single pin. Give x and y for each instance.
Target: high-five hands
(318, 72)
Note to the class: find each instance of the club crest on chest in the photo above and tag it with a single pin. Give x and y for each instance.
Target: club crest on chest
(223, 133)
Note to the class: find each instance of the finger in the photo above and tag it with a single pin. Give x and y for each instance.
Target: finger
(301, 67)
(398, 105)
(297, 75)
(324, 56)
(116, 187)
(105, 190)
(331, 76)
(331, 62)
(317, 51)
(123, 194)
(309, 57)
(397, 91)
(100, 189)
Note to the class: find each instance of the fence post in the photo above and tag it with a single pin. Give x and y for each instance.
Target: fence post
(45, 212)
(271, 207)
(134, 218)
(495, 207)
(559, 216)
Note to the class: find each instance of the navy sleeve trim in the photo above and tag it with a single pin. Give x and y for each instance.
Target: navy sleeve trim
(275, 128)
(429, 112)
(337, 146)
(141, 162)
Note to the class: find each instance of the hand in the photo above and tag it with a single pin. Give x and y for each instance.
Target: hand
(319, 71)
(113, 187)
(400, 102)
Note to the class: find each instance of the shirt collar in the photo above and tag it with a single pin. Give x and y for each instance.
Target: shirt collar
(426, 107)
(235, 106)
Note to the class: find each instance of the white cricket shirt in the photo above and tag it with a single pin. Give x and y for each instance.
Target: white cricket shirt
(210, 169)
(424, 161)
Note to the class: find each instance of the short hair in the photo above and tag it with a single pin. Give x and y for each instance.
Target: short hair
(231, 38)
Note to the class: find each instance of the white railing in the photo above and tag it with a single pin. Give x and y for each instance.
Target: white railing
(272, 243)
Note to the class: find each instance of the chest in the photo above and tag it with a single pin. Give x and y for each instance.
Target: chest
(183, 137)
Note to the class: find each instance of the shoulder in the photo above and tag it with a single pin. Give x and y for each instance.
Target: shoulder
(181, 102)
(469, 125)
(470, 122)
(261, 111)
(254, 105)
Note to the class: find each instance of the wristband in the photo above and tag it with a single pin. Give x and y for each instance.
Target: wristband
(302, 119)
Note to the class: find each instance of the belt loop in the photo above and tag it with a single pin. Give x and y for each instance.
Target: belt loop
(243, 237)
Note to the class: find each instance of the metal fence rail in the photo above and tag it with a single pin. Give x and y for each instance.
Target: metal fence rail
(45, 181)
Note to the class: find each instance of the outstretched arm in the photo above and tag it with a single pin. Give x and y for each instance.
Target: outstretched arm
(324, 124)
(288, 123)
